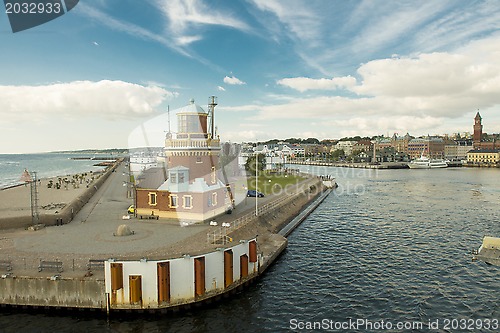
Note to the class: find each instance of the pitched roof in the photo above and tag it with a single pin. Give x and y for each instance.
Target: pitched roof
(152, 178)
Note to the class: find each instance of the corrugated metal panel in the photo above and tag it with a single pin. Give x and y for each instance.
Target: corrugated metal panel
(228, 268)
(163, 271)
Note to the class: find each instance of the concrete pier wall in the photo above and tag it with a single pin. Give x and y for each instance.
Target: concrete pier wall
(182, 278)
(139, 284)
(44, 292)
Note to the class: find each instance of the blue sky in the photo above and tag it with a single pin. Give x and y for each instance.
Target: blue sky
(312, 68)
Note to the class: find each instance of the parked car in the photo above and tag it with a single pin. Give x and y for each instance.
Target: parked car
(131, 209)
(254, 193)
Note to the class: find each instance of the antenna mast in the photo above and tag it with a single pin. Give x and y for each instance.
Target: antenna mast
(212, 103)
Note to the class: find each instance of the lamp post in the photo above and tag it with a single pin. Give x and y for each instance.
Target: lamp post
(256, 184)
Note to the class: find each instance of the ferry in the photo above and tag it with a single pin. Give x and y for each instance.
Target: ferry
(426, 163)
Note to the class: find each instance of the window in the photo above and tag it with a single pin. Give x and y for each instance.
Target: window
(173, 178)
(187, 202)
(214, 178)
(198, 160)
(214, 199)
(173, 201)
(181, 178)
(152, 199)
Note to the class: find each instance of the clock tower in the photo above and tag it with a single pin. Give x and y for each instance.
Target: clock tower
(478, 131)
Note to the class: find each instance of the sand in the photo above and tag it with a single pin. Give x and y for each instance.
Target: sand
(16, 201)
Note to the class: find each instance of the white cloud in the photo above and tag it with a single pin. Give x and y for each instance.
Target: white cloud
(427, 92)
(233, 80)
(303, 83)
(185, 16)
(220, 88)
(298, 17)
(112, 99)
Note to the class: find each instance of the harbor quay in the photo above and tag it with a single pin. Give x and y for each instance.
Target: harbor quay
(104, 259)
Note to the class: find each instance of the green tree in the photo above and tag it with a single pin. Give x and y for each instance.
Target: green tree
(250, 163)
(338, 153)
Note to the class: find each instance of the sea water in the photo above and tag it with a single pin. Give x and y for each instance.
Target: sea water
(46, 165)
(388, 247)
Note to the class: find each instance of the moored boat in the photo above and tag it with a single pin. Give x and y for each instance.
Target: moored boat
(426, 163)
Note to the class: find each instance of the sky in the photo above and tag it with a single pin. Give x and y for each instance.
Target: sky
(104, 73)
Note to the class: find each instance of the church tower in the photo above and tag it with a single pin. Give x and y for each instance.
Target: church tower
(478, 131)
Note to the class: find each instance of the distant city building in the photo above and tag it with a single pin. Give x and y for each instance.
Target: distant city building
(431, 147)
(457, 149)
(363, 145)
(478, 137)
(346, 146)
(484, 157)
(400, 143)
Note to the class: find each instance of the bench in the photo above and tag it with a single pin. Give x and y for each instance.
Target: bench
(50, 265)
(95, 264)
(6, 264)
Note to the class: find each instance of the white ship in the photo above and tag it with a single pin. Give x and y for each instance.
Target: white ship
(426, 163)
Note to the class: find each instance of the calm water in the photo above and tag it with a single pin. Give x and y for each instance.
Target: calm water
(391, 245)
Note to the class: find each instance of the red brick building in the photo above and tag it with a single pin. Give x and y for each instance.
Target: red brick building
(189, 188)
(479, 143)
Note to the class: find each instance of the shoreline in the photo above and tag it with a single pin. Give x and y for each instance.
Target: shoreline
(56, 205)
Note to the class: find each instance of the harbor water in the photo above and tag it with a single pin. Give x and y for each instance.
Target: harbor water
(388, 250)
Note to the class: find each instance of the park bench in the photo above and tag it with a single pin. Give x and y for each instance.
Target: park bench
(6, 264)
(50, 265)
(95, 264)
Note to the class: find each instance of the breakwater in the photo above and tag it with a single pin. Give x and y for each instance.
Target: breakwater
(146, 284)
(383, 165)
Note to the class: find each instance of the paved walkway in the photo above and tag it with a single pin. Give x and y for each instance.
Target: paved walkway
(91, 233)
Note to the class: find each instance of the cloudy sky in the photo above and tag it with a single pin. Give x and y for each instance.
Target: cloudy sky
(280, 68)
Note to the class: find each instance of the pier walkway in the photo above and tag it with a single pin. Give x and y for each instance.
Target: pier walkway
(91, 234)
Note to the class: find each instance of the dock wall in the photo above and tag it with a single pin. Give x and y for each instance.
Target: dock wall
(47, 292)
(171, 284)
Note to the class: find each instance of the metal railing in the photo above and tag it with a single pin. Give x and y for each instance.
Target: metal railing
(220, 234)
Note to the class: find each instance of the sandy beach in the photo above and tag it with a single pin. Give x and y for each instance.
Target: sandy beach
(15, 201)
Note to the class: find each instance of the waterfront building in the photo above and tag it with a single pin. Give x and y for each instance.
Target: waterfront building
(346, 146)
(457, 149)
(363, 146)
(190, 188)
(482, 140)
(298, 150)
(400, 143)
(486, 157)
(432, 147)
(478, 131)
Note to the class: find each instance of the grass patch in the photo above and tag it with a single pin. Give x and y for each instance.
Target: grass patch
(269, 183)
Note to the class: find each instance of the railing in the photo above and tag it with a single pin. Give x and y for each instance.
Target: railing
(220, 234)
(192, 143)
(51, 264)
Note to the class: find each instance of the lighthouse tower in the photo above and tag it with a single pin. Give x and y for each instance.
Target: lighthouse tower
(193, 190)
